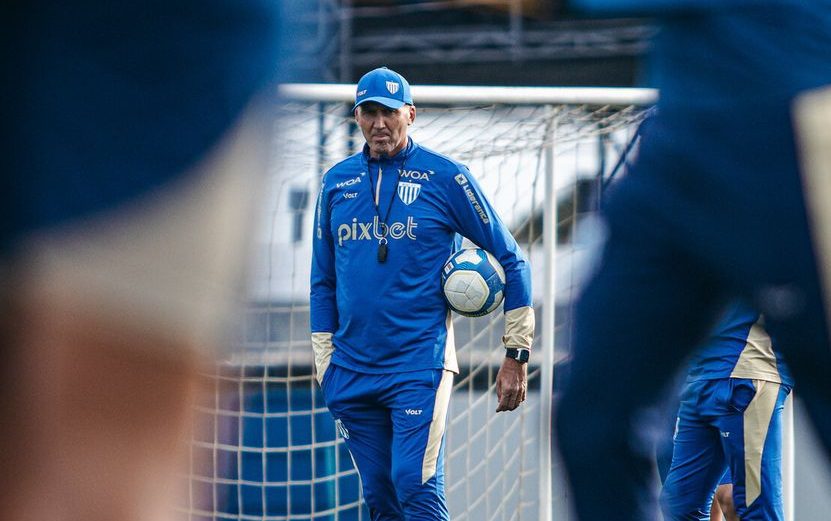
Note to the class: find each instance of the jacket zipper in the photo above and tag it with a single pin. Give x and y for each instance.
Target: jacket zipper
(378, 186)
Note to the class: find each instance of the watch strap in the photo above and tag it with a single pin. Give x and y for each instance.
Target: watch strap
(520, 354)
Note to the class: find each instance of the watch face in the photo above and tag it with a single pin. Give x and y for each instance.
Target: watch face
(520, 355)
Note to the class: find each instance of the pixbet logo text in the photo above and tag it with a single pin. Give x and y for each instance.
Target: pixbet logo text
(367, 231)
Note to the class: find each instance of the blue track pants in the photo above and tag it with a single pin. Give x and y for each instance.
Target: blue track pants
(728, 423)
(394, 426)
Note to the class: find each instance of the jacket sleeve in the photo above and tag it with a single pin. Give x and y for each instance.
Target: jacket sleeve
(472, 216)
(323, 288)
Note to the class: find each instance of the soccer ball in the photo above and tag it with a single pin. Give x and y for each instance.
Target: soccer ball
(473, 282)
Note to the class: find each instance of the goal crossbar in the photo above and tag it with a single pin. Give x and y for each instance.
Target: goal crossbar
(453, 94)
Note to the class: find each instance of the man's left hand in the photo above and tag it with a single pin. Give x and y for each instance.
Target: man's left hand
(511, 384)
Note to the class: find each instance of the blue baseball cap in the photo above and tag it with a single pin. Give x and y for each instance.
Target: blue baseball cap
(383, 86)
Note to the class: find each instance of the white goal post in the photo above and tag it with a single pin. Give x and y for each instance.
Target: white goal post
(541, 154)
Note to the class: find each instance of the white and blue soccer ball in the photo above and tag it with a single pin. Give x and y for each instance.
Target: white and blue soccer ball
(473, 282)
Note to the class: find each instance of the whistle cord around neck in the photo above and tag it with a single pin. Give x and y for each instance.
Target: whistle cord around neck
(383, 248)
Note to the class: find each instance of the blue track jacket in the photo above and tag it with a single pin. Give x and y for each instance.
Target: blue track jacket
(391, 317)
(739, 348)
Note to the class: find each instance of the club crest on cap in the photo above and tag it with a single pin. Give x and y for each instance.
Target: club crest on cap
(383, 86)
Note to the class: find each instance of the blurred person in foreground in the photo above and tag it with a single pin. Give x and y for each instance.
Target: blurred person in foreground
(133, 150)
(387, 220)
(730, 196)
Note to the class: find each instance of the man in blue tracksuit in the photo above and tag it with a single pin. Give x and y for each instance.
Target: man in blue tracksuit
(385, 224)
(730, 419)
(729, 198)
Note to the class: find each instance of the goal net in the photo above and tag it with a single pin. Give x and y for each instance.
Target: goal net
(268, 448)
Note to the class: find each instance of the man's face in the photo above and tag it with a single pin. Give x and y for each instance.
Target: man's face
(384, 129)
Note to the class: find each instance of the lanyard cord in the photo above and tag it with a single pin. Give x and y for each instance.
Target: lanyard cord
(376, 201)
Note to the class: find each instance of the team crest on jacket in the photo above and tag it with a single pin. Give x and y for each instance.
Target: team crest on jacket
(392, 87)
(408, 192)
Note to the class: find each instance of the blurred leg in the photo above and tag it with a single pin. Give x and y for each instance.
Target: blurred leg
(105, 416)
(805, 337)
(108, 323)
(635, 323)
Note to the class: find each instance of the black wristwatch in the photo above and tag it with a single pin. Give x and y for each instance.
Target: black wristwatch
(520, 354)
